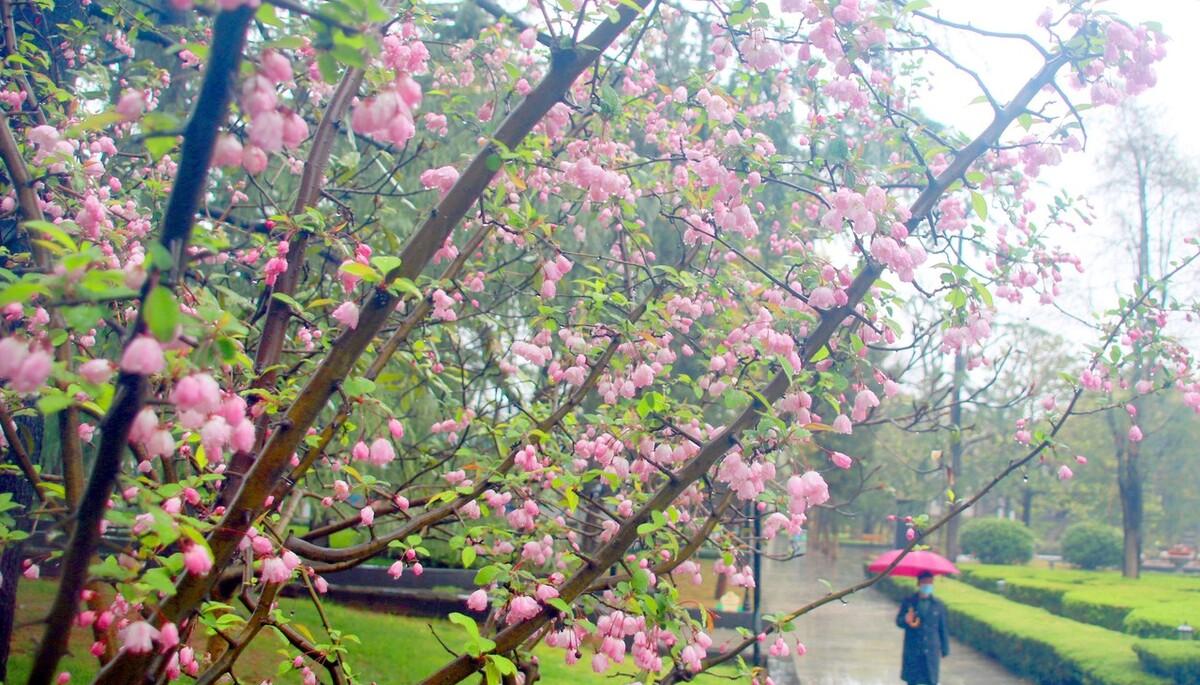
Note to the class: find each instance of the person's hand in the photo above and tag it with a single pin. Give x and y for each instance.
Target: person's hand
(912, 619)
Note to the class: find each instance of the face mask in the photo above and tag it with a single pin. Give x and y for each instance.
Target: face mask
(926, 590)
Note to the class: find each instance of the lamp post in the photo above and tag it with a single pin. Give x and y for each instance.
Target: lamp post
(1185, 632)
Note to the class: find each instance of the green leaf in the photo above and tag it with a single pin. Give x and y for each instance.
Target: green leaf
(357, 386)
(486, 574)
(468, 556)
(158, 146)
(466, 622)
(22, 291)
(161, 313)
(159, 581)
(503, 664)
(52, 231)
(289, 301)
(820, 354)
(560, 604)
(362, 271)
(979, 204)
(385, 264)
(493, 162)
(53, 401)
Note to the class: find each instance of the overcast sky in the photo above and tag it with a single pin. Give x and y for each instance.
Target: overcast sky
(1006, 65)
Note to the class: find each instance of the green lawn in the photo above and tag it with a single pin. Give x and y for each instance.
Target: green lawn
(393, 650)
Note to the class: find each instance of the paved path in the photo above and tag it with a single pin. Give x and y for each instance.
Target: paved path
(855, 643)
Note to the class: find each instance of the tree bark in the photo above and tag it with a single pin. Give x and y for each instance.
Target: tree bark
(30, 429)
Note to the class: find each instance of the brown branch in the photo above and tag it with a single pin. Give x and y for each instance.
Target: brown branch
(178, 220)
(962, 505)
(716, 448)
(566, 66)
(17, 446)
(254, 624)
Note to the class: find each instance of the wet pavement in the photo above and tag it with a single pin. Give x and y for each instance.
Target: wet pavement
(855, 642)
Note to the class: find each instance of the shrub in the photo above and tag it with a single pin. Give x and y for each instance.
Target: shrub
(997, 541)
(1179, 661)
(1092, 545)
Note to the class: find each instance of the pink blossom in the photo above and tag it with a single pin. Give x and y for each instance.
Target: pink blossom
(228, 151)
(360, 451)
(131, 105)
(841, 460)
(12, 353)
(168, 637)
(442, 178)
(367, 514)
(382, 452)
(347, 315)
(821, 298)
(96, 371)
(254, 159)
(478, 601)
(396, 570)
(1065, 472)
(33, 371)
(396, 429)
(276, 67)
(1135, 434)
(842, 425)
(1080, 459)
(138, 637)
(266, 131)
(197, 560)
(32, 572)
(642, 376)
(522, 608)
(528, 38)
(143, 356)
(243, 437)
(198, 392)
(295, 130)
(274, 570)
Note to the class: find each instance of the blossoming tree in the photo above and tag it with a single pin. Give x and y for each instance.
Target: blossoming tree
(565, 285)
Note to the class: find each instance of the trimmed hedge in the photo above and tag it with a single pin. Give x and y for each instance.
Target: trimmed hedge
(1162, 620)
(1150, 607)
(1179, 661)
(997, 541)
(1032, 642)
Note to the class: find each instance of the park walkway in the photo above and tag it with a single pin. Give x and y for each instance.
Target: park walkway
(855, 643)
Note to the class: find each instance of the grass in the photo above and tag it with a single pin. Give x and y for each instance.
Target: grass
(1049, 649)
(393, 649)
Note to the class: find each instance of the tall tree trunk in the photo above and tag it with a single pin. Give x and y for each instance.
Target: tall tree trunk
(1027, 506)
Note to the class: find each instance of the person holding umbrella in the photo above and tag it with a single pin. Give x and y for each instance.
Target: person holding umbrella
(923, 618)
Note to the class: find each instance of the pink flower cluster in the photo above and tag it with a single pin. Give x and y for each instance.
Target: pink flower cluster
(26, 367)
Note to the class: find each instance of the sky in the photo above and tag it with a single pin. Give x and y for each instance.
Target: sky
(1006, 65)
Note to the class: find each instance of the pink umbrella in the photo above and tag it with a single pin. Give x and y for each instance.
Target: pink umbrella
(913, 563)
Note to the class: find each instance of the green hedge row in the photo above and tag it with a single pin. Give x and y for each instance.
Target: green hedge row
(1179, 661)
(1151, 607)
(1032, 642)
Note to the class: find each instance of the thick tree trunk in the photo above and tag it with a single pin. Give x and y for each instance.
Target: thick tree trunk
(1129, 482)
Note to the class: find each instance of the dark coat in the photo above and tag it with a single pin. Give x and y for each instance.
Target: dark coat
(925, 645)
